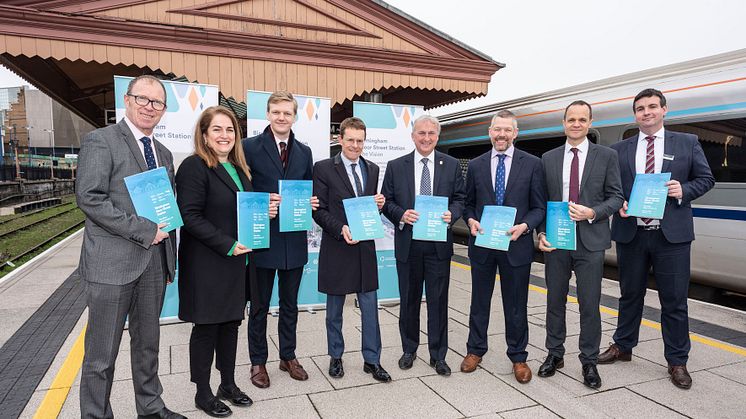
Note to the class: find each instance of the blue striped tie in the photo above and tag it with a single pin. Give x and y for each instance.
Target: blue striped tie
(500, 180)
(149, 156)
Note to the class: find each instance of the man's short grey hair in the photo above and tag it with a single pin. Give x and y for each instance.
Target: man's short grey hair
(150, 79)
(426, 118)
(505, 114)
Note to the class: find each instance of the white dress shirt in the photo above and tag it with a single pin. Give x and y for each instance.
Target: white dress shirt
(641, 155)
(277, 144)
(494, 161)
(348, 168)
(418, 165)
(567, 162)
(138, 134)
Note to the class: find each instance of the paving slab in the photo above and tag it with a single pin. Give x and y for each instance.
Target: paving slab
(735, 372)
(533, 412)
(623, 403)
(701, 356)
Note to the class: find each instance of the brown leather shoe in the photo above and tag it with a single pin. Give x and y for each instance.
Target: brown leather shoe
(522, 372)
(259, 376)
(295, 369)
(680, 376)
(613, 354)
(470, 362)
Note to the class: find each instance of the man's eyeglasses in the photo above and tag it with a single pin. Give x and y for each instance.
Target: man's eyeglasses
(143, 101)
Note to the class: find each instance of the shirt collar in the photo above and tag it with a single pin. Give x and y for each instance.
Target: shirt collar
(509, 152)
(660, 134)
(418, 157)
(135, 131)
(582, 147)
(347, 161)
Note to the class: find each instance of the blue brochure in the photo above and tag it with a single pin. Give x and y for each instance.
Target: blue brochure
(648, 197)
(496, 221)
(153, 198)
(253, 219)
(295, 205)
(560, 228)
(430, 226)
(363, 218)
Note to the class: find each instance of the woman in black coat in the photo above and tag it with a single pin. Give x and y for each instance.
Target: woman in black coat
(212, 264)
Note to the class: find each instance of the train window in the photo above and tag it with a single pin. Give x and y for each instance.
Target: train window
(539, 146)
(723, 144)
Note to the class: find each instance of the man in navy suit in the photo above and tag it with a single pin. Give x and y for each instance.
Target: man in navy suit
(423, 172)
(664, 245)
(510, 177)
(273, 155)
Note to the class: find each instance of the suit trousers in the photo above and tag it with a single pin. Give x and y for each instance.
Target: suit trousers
(261, 293)
(671, 268)
(424, 267)
(371, 345)
(216, 341)
(109, 306)
(514, 289)
(588, 266)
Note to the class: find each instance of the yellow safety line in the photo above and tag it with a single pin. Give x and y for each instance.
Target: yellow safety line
(57, 394)
(651, 324)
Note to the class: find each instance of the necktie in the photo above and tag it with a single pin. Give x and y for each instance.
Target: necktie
(148, 151)
(574, 177)
(425, 188)
(649, 164)
(284, 154)
(500, 180)
(358, 184)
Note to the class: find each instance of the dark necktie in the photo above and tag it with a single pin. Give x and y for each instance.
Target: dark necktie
(500, 180)
(358, 184)
(284, 154)
(649, 164)
(425, 188)
(574, 176)
(148, 151)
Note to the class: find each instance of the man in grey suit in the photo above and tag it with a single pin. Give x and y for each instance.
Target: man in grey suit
(126, 260)
(587, 176)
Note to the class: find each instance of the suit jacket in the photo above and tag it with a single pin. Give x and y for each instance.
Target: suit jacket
(212, 285)
(287, 250)
(525, 192)
(689, 166)
(600, 189)
(117, 243)
(343, 268)
(398, 188)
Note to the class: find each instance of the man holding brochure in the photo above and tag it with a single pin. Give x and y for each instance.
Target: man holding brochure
(585, 176)
(347, 265)
(503, 177)
(410, 182)
(663, 244)
(126, 260)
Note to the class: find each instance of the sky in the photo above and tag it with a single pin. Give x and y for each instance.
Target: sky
(549, 45)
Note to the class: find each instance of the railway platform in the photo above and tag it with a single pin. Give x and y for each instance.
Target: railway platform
(42, 322)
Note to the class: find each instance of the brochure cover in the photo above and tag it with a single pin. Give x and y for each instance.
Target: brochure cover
(295, 205)
(153, 198)
(363, 218)
(649, 194)
(430, 226)
(560, 228)
(253, 219)
(496, 221)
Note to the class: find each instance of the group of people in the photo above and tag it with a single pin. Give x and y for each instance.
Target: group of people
(126, 260)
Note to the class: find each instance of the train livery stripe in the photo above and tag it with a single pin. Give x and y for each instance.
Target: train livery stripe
(720, 214)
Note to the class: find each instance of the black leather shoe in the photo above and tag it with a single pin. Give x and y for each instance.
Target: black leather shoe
(440, 367)
(407, 360)
(336, 370)
(214, 408)
(550, 365)
(234, 395)
(163, 414)
(590, 376)
(377, 371)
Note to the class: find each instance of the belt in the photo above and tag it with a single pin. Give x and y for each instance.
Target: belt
(650, 228)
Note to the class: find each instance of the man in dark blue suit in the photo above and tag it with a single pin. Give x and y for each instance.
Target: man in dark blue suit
(510, 177)
(423, 172)
(664, 245)
(273, 155)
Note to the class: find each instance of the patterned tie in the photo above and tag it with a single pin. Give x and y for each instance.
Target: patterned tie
(425, 188)
(284, 154)
(500, 180)
(358, 184)
(574, 177)
(149, 156)
(649, 165)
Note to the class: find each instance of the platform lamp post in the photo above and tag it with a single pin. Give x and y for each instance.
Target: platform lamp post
(28, 143)
(14, 149)
(51, 140)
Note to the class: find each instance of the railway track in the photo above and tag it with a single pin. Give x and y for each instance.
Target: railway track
(12, 261)
(5, 234)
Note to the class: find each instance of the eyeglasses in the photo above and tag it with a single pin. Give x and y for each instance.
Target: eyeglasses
(143, 101)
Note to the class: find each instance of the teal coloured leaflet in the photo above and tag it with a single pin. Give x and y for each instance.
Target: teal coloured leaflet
(430, 226)
(253, 219)
(295, 205)
(560, 229)
(363, 218)
(153, 198)
(649, 194)
(495, 223)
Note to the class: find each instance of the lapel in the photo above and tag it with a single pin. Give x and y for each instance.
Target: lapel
(223, 175)
(485, 172)
(557, 160)
(247, 186)
(668, 147)
(268, 142)
(589, 159)
(437, 169)
(631, 157)
(515, 169)
(409, 174)
(341, 170)
(370, 180)
(131, 142)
